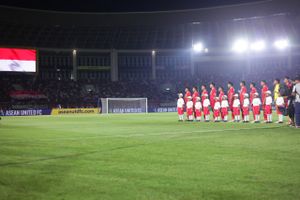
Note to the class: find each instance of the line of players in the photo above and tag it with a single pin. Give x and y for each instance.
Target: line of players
(238, 103)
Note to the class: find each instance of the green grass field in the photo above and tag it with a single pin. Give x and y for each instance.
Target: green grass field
(151, 156)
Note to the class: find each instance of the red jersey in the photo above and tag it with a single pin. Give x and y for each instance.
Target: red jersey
(263, 94)
(195, 95)
(187, 94)
(252, 92)
(230, 94)
(242, 92)
(213, 94)
(202, 94)
(221, 94)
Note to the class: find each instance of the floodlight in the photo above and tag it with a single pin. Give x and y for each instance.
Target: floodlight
(198, 47)
(282, 44)
(240, 46)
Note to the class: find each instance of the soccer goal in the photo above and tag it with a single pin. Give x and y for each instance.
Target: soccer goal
(124, 105)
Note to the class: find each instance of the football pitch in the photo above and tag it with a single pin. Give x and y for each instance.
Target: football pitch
(146, 156)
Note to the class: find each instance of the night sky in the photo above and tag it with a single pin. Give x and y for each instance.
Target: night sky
(118, 5)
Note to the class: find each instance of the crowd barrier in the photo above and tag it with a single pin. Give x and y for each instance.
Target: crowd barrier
(162, 109)
(67, 111)
(29, 112)
(63, 111)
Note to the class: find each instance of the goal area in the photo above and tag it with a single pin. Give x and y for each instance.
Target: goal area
(124, 105)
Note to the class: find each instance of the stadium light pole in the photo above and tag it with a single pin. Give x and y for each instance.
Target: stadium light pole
(153, 64)
(74, 53)
(114, 73)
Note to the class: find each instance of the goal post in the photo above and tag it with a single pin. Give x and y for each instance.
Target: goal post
(124, 105)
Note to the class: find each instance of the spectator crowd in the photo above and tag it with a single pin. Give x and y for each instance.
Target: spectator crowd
(86, 93)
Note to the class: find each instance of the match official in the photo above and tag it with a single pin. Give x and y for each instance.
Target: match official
(296, 93)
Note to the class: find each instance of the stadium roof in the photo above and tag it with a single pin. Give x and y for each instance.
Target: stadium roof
(237, 11)
(119, 5)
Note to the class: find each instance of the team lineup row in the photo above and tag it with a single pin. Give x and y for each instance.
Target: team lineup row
(238, 103)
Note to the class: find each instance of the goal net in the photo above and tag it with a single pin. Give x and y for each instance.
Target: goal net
(124, 105)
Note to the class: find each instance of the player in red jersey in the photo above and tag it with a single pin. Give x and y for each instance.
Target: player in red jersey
(194, 98)
(195, 94)
(264, 89)
(187, 94)
(252, 91)
(204, 92)
(230, 94)
(212, 95)
(221, 93)
(243, 91)
(252, 94)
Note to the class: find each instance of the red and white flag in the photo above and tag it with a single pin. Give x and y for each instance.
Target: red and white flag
(17, 60)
